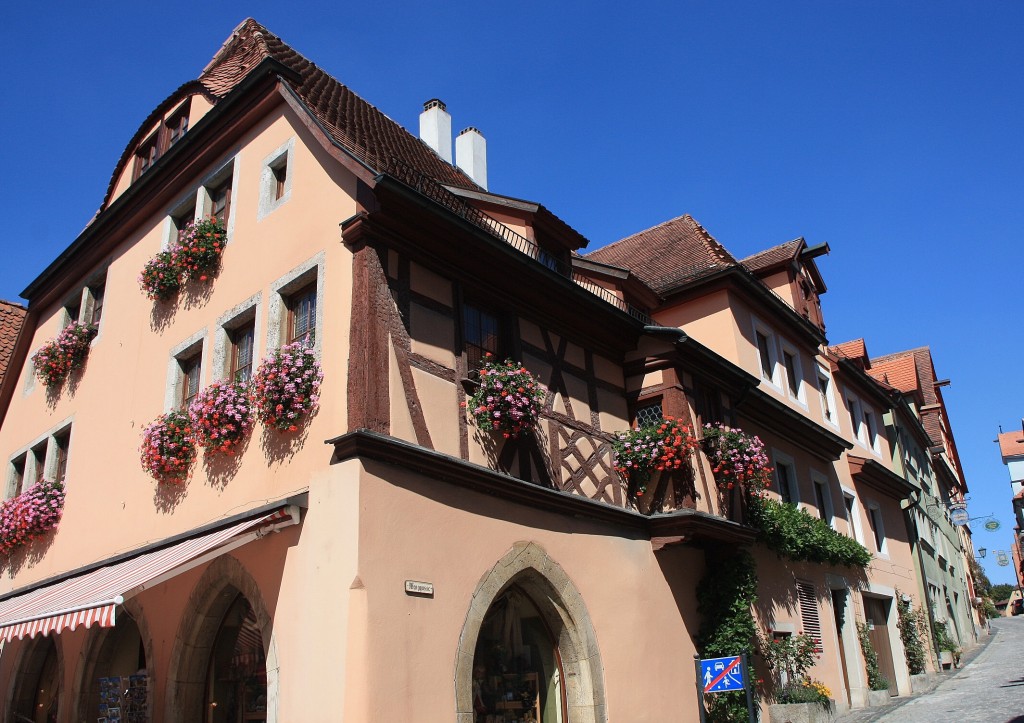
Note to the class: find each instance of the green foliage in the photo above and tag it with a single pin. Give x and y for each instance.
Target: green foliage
(793, 533)
(989, 608)
(1002, 591)
(876, 681)
(982, 585)
(790, 654)
(724, 598)
(913, 626)
(943, 640)
(806, 690)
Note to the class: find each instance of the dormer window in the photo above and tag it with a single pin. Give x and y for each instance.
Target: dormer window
(146, 156)
(166, 135)
(177, 126)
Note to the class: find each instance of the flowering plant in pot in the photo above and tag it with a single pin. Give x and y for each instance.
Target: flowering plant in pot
(160, 278)
(737, 458)
(286, 387)
(660, 445)
(55, 359)
(221, 416)
(194, 257)
(30, 514)
(508, 399)
(167, 447)
(199, 248)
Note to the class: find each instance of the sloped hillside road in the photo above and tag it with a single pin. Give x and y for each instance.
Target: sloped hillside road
(989, 689)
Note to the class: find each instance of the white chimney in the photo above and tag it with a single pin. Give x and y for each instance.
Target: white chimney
(471, 155)
(436, 128)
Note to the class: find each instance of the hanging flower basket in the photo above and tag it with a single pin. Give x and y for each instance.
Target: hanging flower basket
(30, 514)
(508, 400)
(285, 389)
(160, 278)
(661, 445)
(55, 359)
(737, 458)
(221, 416)
(194, 257)
(167, 447)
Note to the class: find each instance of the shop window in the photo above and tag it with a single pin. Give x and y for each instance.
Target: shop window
(481, 335)
(516, 666)
(117, 675)
(236, 688)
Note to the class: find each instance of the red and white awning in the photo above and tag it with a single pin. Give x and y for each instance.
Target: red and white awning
(91, 598)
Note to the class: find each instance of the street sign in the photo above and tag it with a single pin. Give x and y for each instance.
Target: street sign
(959, 515)
(992, 525)
(719, 675)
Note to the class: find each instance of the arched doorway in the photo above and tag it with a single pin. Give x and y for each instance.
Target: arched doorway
(115, 678)
(550, 655)
(236, 679)
(517, 670)
(37, 687)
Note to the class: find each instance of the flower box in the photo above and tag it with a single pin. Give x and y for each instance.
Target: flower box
(221, 416)
(30, 514)
(167, 447)
(285, 390)
(56, 359)
(194, 257)
(665, 444)
(802, 712)
(508, 400)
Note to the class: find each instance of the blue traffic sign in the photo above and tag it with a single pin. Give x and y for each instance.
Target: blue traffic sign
(719, 675)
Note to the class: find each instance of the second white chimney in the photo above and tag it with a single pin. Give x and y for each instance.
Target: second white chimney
(436, 128)
(471, 155)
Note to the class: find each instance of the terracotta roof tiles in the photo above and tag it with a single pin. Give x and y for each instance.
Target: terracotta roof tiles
(855, 349)
(1011, 444)
(668, 254)
(11, 318)
(780, 254)
(900, 372)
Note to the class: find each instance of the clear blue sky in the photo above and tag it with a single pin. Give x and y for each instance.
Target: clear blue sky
(890, 130)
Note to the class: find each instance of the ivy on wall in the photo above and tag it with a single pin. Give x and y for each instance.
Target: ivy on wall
(794, 534)
(913, 627)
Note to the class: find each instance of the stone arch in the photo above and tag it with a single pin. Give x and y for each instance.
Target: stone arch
(94, 657)
(559, 602)
(27, 669)
(216, 590)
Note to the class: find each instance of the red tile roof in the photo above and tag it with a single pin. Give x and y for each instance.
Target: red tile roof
(1011, 444)
(781, 254)
(352, 122)
(11, 317)
(668, 254)
(855, 349)
(900, 372)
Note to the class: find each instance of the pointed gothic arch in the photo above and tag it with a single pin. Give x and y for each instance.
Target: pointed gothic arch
(214, 594)
(41, 657)
(528, 567)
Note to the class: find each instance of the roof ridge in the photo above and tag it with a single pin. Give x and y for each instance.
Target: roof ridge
(712, 244)
(624, 239)
(768, 250)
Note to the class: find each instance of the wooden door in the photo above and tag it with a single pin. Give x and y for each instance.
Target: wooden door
(876, 613)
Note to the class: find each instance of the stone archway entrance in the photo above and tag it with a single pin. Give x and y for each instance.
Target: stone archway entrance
(550, 608)
(36, 692)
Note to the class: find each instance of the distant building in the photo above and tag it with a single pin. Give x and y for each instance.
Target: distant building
(1011, 449)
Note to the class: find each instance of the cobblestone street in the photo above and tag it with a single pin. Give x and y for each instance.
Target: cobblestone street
(989, 689)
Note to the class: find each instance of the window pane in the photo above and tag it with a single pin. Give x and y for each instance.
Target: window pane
(648, 415)
(784, 479)
(241, 352)
(302, 315)
(481, 333)
(790, 363)
(190, 373)
(819, 494)
(762, 350)
(220, 203)
(60, 472)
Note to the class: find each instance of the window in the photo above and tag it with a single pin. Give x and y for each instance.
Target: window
(73, 309)
(871, 430)
(789, 361)
(146, 156)
(809, 609)
(302, 315)
(877, 527)
(767, 354)
(220, 202)
(280, 174)
(857, 419)
(827, 396)
(785, 478)
(177, 126)
(707, 401)
(480, 334)
(822, 498)
(850, 503)
(242, 340)
(181, 219)
(96, 293)
(648, 414)
(17, 476)
(38, 457)
(191, 371)
(61, 441)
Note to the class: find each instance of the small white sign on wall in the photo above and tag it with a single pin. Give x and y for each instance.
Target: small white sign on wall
(424, 589)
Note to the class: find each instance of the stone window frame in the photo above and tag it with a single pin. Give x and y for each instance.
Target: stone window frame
(177, 213)
(282, 157)
(229, 169)
(24, 454)
(249, 310)
(175, 376)
(306, 273)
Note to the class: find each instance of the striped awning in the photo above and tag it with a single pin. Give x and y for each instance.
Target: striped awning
(92, 597)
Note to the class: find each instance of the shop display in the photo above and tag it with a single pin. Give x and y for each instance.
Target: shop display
(123, 699)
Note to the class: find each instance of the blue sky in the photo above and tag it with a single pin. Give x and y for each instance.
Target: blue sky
(889, 130)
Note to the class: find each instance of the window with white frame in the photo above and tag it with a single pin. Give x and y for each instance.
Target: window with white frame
(794, 372)
(857, 418)
(852, 515)
(276, 179)
(216, 196)
(45, 459)
(785, 478)
(877, 526)
(767, 355)
(827, 395)
(871, 430)
(822, 497)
